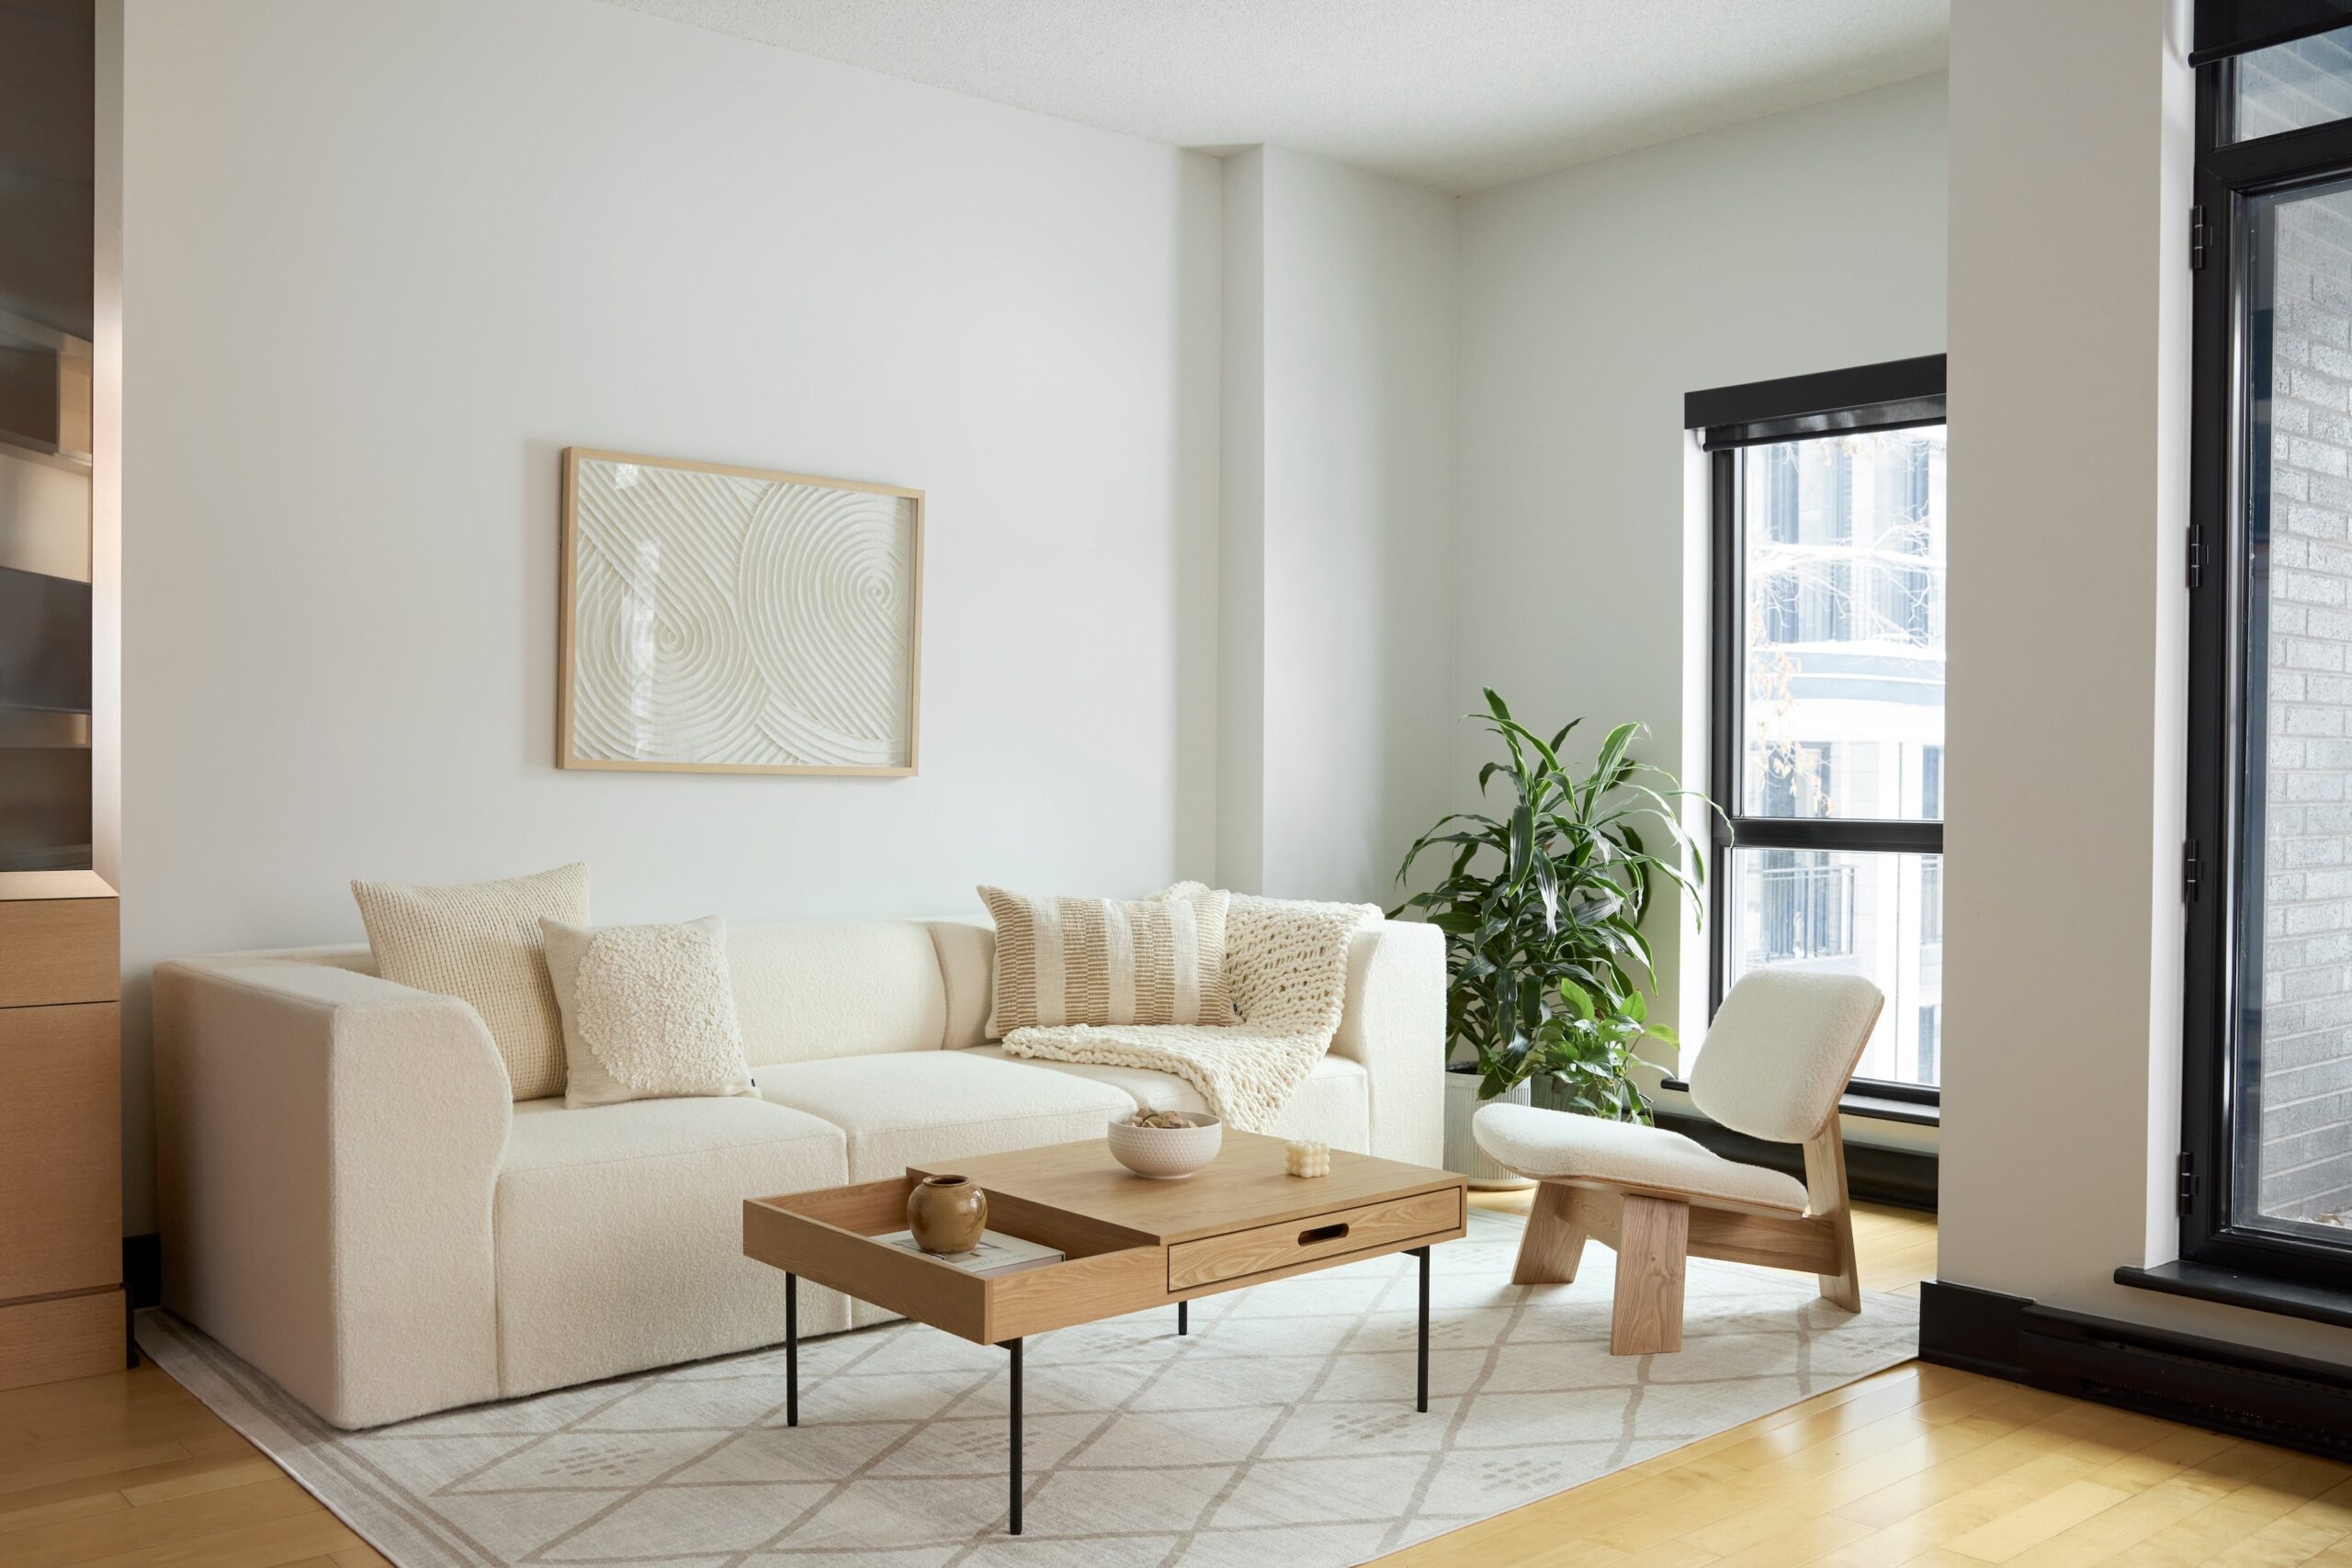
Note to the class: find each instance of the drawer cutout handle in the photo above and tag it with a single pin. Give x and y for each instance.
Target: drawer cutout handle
(1322, 1232)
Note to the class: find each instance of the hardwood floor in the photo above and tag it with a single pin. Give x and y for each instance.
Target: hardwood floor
(1926, 1465)
(128, 1469)
(1919, 1465)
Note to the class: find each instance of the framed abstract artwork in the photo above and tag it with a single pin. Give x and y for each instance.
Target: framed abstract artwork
(733, 620)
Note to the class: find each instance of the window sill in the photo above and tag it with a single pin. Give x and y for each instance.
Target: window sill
(1867, 1107)
(2233, 1287)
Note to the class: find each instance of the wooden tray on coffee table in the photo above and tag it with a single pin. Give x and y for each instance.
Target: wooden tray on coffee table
(1133, 1244)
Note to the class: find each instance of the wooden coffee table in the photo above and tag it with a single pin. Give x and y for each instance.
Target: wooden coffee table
(1132, 1243)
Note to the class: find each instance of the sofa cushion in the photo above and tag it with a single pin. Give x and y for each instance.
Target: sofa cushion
(647, 1011)
(967, 966)
(815, 989)
(1333, 1106)
(942, 1106)
(480, 943)
(618, 1232)
(1101, 961)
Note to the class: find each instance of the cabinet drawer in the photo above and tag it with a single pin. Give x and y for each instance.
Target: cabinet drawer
(61, 1149)
(58, 949)
(70, 1336)
(1240, 1253)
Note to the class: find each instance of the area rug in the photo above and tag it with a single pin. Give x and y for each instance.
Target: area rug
(1281, 1430)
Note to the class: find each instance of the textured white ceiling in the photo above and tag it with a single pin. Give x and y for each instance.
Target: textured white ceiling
(1457, 94)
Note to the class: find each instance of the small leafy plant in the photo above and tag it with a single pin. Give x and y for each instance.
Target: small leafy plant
(1549, 974)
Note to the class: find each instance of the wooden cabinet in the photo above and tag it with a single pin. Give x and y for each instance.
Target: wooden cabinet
(61, 1149)
(61, 1139)
(58, 950)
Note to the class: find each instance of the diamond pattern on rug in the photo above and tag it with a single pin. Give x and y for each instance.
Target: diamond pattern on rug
(1282, 1429)
(672, 1521)
(982, 1445)
(808, 1452)
(1149, 1439)
(587, 1461)
(509, 1529)
(1322, 1491)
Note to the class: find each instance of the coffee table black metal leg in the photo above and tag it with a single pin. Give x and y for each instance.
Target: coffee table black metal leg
(1183, 1317)
(1015, 1346)
(1421, 1392)
(792, 1349)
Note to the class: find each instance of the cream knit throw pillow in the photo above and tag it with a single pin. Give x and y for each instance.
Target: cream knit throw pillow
(1099, 961)
(649, 1011)
(481, 943)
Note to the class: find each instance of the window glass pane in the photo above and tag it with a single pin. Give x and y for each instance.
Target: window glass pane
(1843, 635)
(2292, 1075)
(1845, 912)
(2308, 82)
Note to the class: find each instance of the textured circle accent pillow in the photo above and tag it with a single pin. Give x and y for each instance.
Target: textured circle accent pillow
(649, 1011)
(1098, 961)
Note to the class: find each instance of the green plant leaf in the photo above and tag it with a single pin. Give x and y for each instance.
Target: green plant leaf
(1541, 907)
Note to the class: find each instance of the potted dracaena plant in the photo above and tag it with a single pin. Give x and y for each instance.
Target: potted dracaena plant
(1548, 974)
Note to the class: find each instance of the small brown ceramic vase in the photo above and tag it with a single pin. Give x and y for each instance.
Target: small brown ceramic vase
(946, 1213)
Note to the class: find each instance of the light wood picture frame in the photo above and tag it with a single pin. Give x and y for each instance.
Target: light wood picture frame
(717, 619)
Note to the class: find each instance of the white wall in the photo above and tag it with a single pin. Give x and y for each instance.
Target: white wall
(1338, 542)
(2071, 144)
(382, 262)
(1241, 530)
(1591, 301)
(1243, 477)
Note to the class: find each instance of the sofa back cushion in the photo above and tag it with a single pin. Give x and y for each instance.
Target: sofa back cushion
(814, 990)
(967, 964)
(808, 990)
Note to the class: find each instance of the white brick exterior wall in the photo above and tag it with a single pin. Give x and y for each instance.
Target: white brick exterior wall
(2307, 894)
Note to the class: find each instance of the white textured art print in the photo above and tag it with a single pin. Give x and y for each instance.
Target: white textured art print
(730, 618)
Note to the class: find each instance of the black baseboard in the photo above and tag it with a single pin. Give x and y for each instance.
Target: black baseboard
(143, 1269)
(2283, 1400)
(1902, 1178)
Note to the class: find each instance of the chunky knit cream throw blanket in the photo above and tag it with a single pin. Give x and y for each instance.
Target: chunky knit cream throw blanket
(1287, 965)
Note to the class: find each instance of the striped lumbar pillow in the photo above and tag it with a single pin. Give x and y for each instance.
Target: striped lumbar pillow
(1099, 961)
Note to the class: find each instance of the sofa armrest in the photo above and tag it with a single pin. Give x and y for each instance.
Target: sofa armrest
(1394, 1024)
(328, 1143)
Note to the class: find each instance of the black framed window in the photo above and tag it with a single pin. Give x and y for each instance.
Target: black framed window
(2265, 1178)
(1827, 673)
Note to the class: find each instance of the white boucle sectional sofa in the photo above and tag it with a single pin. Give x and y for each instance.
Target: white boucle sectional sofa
(352, 1204)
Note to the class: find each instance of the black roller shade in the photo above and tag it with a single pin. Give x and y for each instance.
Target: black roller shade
(2225, 27)
(1868, 397)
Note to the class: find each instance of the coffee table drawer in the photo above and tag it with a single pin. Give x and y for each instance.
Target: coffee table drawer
(1239, 1253)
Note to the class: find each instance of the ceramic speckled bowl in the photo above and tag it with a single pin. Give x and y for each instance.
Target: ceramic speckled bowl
(1168, 1154)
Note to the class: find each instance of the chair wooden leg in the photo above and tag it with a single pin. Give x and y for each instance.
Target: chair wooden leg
(1554, 1243)
(1826, 1197)
(1653, 1246)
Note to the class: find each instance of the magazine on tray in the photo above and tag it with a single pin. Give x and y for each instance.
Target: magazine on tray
(996, 1253)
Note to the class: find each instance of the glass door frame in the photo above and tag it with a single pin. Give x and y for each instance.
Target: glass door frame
(2221, 1003)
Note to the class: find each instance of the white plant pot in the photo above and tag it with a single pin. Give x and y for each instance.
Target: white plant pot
(1462, 1150)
